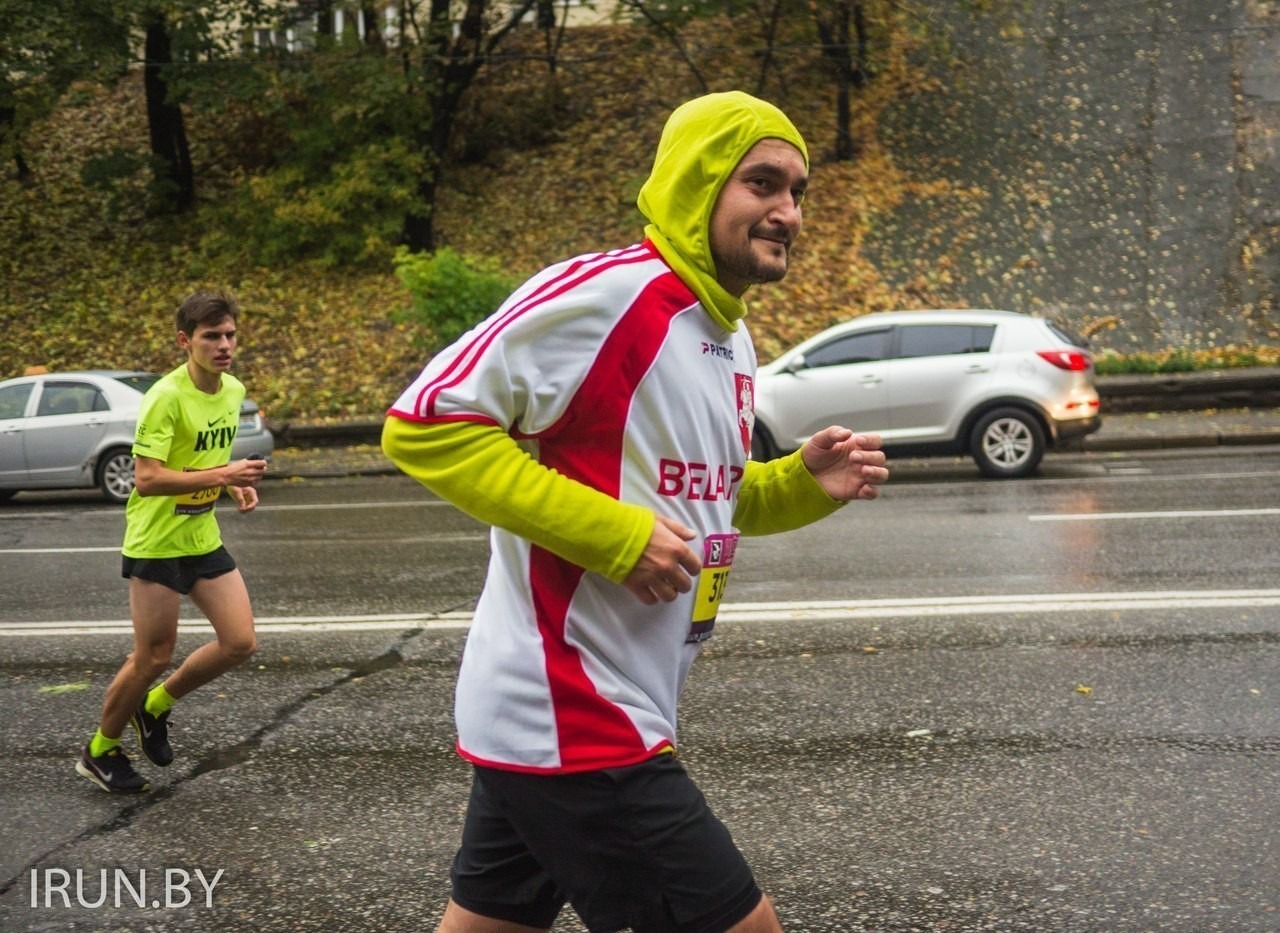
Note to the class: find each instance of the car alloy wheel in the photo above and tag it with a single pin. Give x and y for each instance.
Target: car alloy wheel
(1007, 443)
(115, 474)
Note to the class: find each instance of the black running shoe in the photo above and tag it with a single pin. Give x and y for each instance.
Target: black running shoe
(112, 772)
(153, 735)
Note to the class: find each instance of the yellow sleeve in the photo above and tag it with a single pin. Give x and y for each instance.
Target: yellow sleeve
(780, 495)
(483, 471)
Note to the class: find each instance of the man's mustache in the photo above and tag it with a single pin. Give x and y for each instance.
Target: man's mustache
(781, 234)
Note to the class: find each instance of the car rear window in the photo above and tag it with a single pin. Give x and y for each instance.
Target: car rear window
(140, 382)
(69, 398)
(1067, 336)
(944, 339)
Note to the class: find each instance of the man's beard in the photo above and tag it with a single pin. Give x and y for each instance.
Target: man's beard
(754, 270)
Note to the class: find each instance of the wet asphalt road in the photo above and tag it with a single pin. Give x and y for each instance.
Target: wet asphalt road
(967, 706)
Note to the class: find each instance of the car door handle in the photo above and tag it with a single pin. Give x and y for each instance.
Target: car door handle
(95, 422)
(977, 369)
(870, 380)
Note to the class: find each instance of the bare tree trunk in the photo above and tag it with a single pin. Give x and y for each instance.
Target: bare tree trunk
(372, 25)
(552, 33)
(834, 30)
(861, 73)
(449, 64)
(174, 175)
(324, 19)
(8, 127)
(769, 33)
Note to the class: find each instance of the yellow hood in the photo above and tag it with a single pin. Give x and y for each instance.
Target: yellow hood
(701, 145)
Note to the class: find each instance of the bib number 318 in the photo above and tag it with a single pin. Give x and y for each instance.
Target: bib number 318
(717, 560)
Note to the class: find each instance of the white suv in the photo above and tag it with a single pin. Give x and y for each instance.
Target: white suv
(999, 386)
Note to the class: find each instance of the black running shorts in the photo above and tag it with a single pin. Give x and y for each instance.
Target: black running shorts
(630, 848)
(179, 573)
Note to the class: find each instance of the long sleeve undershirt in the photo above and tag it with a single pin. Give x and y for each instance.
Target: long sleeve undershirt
(483, 471)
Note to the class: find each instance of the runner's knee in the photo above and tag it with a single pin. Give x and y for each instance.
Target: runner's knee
(239, 649)
(151, 660)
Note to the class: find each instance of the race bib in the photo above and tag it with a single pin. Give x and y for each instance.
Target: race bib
(198, 502)
(717, 561)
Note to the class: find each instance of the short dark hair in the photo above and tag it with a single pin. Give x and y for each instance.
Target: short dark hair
(206, 308)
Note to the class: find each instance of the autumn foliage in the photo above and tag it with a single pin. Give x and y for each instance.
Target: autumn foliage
(544, 166)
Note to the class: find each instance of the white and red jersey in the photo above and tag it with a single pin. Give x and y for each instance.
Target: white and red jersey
(608, 369)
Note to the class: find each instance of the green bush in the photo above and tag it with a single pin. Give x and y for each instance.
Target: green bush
(1109, 363)
(352, 215)
(451, 293)
(324, 157)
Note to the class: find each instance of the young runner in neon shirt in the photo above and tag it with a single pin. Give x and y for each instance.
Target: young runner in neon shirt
(172, 545)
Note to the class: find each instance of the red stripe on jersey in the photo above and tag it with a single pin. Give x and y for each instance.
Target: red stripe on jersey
(574, 275)
(587, 445)
(592, 732)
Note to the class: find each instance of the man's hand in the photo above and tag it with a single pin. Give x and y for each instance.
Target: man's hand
(244, 473)
(663, 571)
(246, 497)
(847, 465)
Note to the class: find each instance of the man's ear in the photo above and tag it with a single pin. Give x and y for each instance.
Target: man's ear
(183, 340)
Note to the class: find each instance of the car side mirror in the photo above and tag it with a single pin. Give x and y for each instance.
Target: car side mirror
(796, 363)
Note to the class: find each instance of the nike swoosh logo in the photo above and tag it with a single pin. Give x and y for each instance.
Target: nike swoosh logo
(105, 775)
(214, 421)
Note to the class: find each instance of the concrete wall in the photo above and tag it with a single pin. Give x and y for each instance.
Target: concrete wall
(1130, 159)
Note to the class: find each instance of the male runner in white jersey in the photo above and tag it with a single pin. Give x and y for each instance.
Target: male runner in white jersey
(172, 545)
(601, 422)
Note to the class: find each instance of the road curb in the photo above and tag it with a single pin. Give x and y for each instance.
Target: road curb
(1176, 441)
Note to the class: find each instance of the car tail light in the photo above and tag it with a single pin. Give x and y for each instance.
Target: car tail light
(1073, 360)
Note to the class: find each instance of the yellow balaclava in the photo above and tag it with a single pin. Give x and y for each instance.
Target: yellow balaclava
(701, 145)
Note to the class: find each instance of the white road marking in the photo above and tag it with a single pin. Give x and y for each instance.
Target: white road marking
(1189, 513)
(390, 504)
(58, 550)
(927, 607)
(114, 512)
(464, 538)
(1123, 477)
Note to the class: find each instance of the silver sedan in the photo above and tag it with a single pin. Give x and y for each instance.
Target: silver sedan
(74, 430)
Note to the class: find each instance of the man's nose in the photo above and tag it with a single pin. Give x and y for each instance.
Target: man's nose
(786, 211)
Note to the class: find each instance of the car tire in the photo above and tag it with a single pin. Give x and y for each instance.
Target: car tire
(1007, 443)
(763, 449)
(115, 474)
